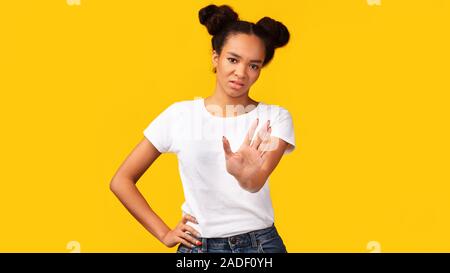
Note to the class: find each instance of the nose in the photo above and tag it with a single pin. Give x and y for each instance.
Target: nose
(240, 71)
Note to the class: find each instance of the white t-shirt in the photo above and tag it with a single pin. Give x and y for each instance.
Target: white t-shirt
(212, 195)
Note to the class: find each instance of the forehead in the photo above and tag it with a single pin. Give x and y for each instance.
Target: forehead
(247, 46)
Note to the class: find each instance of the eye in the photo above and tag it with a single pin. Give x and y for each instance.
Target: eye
(231, 60)
(254, 67)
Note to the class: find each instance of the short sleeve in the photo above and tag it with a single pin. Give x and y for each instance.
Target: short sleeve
(283, 128)
(159, 131)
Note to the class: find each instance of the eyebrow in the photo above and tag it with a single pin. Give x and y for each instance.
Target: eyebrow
(237, 56)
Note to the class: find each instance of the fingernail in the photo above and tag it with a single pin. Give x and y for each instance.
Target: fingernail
(199, 243)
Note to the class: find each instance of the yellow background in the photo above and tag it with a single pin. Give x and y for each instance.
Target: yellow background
(368, 88)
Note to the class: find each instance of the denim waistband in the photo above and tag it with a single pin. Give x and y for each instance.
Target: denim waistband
(249, 238)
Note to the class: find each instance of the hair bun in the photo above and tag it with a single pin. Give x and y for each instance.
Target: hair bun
(277, 32)
(215, 18)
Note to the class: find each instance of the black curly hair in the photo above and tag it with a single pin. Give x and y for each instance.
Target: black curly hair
(221, 21)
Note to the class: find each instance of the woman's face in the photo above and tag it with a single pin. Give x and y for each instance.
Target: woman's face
(239, 63)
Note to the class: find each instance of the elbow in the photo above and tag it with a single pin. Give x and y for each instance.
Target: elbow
(118, 183)
(113, 185)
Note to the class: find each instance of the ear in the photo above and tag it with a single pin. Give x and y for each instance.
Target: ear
(215, 58)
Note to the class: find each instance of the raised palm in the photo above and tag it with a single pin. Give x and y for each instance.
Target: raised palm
(249, 158)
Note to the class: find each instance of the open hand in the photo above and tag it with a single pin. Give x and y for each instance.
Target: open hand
(246, 161)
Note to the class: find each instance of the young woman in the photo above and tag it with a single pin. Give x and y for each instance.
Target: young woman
(227, 146)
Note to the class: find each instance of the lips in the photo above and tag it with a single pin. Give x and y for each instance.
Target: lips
(237, 82)
(235, 85)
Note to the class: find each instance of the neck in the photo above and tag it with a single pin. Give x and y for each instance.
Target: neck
(221, 99)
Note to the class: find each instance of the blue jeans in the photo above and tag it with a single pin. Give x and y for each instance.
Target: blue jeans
(265, 240)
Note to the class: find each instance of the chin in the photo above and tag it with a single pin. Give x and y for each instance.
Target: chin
(235, 93)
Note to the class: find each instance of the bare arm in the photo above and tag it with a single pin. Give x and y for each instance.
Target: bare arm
(123, 185)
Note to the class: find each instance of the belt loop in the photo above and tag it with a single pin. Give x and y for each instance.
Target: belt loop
(253, 239)
(204, 243)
